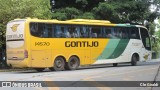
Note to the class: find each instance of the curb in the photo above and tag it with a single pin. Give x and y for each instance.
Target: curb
(13, 70)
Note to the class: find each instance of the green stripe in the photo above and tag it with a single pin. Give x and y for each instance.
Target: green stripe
(114, 49)
(110, 48)
(119, 49)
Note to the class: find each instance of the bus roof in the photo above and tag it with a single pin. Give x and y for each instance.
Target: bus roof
(78, 21)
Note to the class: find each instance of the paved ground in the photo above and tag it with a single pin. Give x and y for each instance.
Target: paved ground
(144, 71)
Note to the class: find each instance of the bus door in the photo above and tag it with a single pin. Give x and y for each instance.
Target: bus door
(146, 47)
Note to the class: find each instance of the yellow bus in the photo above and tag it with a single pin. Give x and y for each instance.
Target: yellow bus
(60, 45)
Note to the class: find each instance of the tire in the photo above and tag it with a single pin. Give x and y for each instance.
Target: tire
(39, 69)
(73, 63)
(59, 64)
(115, 64)
(134, 60)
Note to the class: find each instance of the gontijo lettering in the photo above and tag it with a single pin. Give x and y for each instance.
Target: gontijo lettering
(15, 36)
(81, 44)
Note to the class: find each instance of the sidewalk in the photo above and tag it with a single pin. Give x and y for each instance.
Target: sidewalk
(158, 72)
(157, 78)
(154, 60)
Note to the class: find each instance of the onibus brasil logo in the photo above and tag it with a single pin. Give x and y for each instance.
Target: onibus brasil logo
(14, 27)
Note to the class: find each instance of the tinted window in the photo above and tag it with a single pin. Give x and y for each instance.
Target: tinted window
(95, 32)
(120, 33)
(45, 30)
(107, 32)
(134, 33)
(61, 31)
(84, 31)
(41, 30)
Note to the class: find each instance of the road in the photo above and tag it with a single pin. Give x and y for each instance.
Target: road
(144, 71)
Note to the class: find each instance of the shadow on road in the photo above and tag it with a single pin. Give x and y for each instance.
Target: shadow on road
(120, 65)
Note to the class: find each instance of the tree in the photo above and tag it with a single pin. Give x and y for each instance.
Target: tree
(125, 11)
(156, 43)
(116, 11)
(66, 13)
(11, 9)
(79, 9)
(83, 5)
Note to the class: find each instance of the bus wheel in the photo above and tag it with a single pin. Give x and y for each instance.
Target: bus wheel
(39, 69)
(59, 64)
(134, 60)
(73, 63)
(115, 64)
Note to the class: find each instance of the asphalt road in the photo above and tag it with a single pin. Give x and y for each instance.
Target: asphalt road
(144, 71)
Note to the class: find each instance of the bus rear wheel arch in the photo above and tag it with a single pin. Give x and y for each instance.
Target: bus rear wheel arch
(134, 59)
(58, 64)
(73, 63)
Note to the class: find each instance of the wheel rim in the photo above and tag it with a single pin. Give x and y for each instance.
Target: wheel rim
(59, 63)
(73, 63)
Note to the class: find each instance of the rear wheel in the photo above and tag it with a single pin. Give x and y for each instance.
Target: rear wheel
(73, 63)
(134, 60)
(115, 64)
(58, 64)
(39, 69)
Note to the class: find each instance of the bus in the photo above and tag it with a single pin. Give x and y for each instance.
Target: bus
(60, 45)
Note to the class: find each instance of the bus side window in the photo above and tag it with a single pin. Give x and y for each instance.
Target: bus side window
(108, 33)
(95, 32)
(62, 34)
(77, 31)
(124, 33)
(57, 31)
(41, 30)
(115, 33)
(134, 33)
(120, 32)
(84, 32)
(67, 33)
(52, 31)
(45, 31)
(34, 29)
(73, 32)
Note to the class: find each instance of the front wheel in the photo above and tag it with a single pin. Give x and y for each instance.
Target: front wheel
(134, 60)
(73, 63)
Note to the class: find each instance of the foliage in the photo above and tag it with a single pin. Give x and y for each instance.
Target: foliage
(87, 15)
(156, 44)
(151, 27)
(117, 11)
(11, 9)
(125, 11)
(66, 13)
